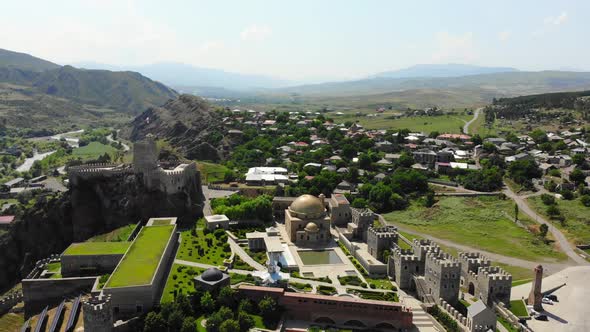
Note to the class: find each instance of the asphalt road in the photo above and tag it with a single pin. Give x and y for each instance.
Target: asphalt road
(468, 123)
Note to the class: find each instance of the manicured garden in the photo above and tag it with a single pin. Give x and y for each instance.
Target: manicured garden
(296, 274)
(377, 296)
(239, 264)
(180, 281)
(139, 264)
(351, 280)
(380, 284)
(326, 290)
(97, 248)
(199, 245)
(482, 222)
(301, 287)
(258, 256)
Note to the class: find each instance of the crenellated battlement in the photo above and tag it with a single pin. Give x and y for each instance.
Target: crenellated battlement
(98, 313)
(494, 273)
(442, 260)
(383, 232)
(97, 303)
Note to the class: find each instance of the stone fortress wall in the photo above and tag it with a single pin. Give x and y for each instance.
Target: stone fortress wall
(489, 283)
(98, 314)
(442, 273)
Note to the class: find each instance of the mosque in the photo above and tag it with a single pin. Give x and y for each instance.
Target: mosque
(307, 222)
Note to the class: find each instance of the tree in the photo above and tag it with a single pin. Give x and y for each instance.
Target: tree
(154, 322)
(406, 160)
(268, 307)
(522, 171)
(578, 159)
(429, 200)
(229, 325)
(553, 211)
(245, 321)
(543, 229)
(207, 302)
(246, 306)
(359, 203)
(585, 199)
(175, 321)
(548, 199)
(365, 161)
(515, 211)
(226, 297)
(216, 319)
(577, 176)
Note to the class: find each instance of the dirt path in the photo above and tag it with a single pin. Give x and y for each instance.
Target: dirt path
(564, 244)
(468, 123)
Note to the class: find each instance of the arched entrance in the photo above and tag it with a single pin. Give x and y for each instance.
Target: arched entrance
(325, 320)
(471, 289)
(355, 322)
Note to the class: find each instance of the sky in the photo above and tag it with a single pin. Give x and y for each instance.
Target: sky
(316, 40)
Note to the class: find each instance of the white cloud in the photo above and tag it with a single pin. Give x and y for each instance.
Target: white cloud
(256, 32)
(556, 20)
(454, 48)
(504, 35)
(212, 45)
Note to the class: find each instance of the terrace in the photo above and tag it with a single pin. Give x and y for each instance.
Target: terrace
(139, 265)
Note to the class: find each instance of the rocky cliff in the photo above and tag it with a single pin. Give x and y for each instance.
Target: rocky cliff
(188, 123)
(91, 207)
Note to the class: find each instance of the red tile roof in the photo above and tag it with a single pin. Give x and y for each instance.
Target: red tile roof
(5, 220)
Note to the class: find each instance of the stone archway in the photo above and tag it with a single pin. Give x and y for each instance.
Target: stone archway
(324, 320)
(471, 289)
(354, 322)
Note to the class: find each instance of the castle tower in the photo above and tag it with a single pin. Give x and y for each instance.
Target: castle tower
(98, 314)
(380, 239)
(536, 296)
(145, 155)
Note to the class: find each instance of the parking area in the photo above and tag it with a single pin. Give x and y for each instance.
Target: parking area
(571, 312)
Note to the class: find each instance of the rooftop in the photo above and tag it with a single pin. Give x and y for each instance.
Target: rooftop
(141, 261)
(97, 248)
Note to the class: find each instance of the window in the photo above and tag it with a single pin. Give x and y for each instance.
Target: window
(138, 308)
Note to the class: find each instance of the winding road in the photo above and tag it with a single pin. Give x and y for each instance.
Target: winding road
(564, 244)
(468, 123)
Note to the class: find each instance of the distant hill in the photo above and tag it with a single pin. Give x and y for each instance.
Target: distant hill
(37, 94)
(496, 84)
(179, 74)
(443, 70)
(24, 61)
(126, 91)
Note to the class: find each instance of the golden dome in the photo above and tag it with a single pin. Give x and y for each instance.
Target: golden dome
(308, 206)
(311, 227)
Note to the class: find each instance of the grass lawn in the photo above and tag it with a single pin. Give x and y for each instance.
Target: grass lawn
(518, 308)
(11, 322)
(381, 284)
(239, 264)
(258, 256)
(161, 222)
(116, 235)
(326, 290)
(140, 263)
(577, 218)
(97, 248)
(202, 248)
(351, 280)
(506, 324)
(521, 282)
(443, 124)
(236, 278)
(180, 280)
(93, 150)
(518, 273)
(300, 286)
(211, 172)
(200, 327)
(481, 222)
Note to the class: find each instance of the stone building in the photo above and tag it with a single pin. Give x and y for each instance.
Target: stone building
(340, 213)
(442, 273)
(98, 314)
(404, 264)
(380, 239)
(307, 222)
(480, 318)
(361, 220)
(211, 280)
(484, 281)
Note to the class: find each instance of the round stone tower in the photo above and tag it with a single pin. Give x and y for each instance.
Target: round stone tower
(98, 314)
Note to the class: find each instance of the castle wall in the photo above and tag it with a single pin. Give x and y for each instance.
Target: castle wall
(78, 265)
(402, 265)
(39, 293)
(493, 285)
(380, 239)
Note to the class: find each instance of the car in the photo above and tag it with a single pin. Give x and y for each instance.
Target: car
(552, 297)
(546, 301)
(541, 317)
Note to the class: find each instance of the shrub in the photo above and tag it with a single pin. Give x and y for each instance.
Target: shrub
(548, 199)
(585, 200)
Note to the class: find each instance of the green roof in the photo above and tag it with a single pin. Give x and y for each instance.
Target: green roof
(139, 265)
(161, 222)
(97, 248)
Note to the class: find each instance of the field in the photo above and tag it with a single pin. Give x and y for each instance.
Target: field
(427, 124)
(97, 248)
(93, 150)
(180, 280)
(140, 263)
(477, 222)
(202, 248)
(577, 218)
(211, 172)
(116, 235)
